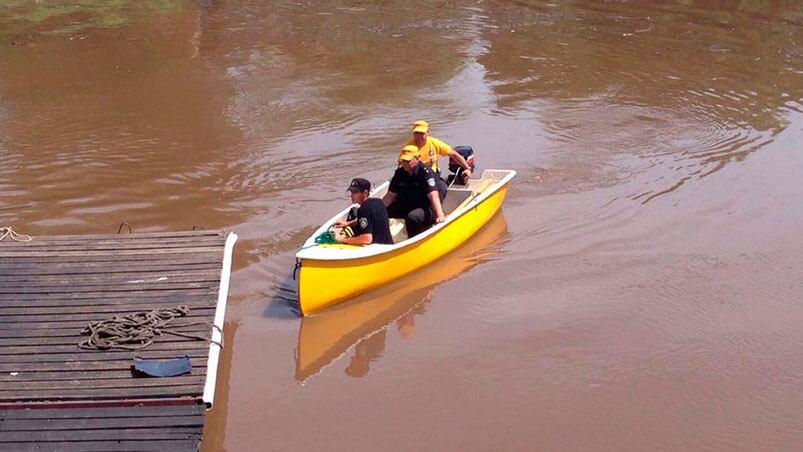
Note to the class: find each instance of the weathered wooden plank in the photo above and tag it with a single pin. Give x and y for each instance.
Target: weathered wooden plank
(100, 254)
(64, 299)
(70, 351)
(102, 264)
(113, 309)
(109, 304)
(43, 326)
(28, 425)
(198, 283)
(109, 308)
(48, 241)
(133, 236)
(78, 325)
(145, 247)
(129, 259)
(192, 390)
(78, 365)
(54, 335)
(9, 263)
(92, 446)
(164, 342)
(97, 384)
(37, 321)
(125, 390)
(113, 244)
(166, 285)
(5, 298)
(100, 434)
(107, 355)
(108, 278)
(61, 336)
(120, 273)
(35, 333)
(203, 327)
(41, 341)
(86, 363)
(115, 252)
(105, 412)
(67, 375)
(96, 316)
(102, 268)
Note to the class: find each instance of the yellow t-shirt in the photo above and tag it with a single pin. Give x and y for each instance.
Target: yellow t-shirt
(431, 150)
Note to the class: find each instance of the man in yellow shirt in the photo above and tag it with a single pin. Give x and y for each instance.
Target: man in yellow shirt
(430, 148)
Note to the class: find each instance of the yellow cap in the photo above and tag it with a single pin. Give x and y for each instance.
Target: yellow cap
(408, 153)
(420, 126)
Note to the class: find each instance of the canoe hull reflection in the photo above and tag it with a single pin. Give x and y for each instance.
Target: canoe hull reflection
(324, 338)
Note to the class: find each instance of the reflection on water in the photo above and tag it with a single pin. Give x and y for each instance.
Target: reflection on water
(259, 102)
(324, 337)
(652, 67)
(133, 135)
(367, 350)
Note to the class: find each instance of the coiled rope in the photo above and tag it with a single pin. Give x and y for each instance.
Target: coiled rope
(136, 331)
(13, 235)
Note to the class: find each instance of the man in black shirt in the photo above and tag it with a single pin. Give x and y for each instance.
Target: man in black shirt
(370, 224)
(415, 193)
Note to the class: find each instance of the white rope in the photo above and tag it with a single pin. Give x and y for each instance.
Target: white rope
(14, 235)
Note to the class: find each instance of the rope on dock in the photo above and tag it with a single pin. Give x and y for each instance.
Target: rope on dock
(6, 231)
(136, 331)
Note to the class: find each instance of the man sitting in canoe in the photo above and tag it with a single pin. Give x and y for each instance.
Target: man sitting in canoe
(430, 148)
(370, 224)
(415, 193)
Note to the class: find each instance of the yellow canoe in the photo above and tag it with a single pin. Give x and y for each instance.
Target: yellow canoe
(322, 339)
(331, 273)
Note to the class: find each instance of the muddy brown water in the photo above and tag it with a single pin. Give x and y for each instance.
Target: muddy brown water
(641, 289)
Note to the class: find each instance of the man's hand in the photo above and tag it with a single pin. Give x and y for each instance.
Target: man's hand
(440, 218)
(339, 236)
(466, 173)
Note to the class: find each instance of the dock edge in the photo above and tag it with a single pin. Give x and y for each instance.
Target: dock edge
(217, 326)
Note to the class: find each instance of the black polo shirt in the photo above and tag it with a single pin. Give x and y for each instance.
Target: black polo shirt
(412, 190)
(372, 218)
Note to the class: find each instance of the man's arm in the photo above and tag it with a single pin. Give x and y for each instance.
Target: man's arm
(343, 223)
(445, 149)
(454, 155)
(435, 200)
(362, 239)
(388, 198)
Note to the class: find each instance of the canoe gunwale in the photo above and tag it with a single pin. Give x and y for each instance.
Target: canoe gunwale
(309, 251)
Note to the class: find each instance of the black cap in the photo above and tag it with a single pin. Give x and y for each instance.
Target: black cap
(359, 184)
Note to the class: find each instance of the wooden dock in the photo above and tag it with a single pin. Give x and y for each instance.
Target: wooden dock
(56, 396)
